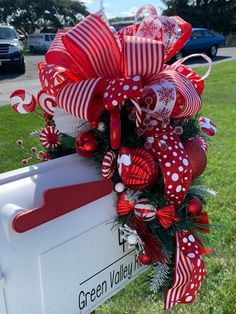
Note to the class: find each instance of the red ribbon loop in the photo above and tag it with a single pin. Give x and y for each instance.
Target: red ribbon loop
(142, 56)
(93, 46)
(58, 54)
(82, 99)
(167, 216)
(186, 31)
(119, 90)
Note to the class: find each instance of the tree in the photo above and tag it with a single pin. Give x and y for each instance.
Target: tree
(29, 15)
(219, 15)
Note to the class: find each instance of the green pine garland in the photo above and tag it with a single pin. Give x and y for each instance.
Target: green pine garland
(162, 274)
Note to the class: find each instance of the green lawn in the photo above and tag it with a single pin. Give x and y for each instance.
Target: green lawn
(14, 126)
(217, 294)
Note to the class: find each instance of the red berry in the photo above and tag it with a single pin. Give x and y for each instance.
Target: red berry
(24, 161)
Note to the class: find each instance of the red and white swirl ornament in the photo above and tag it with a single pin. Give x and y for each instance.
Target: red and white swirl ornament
(144, 210)
(46, 102)
(22, 101)
(108, 164)
(49, 137)
(207, 126)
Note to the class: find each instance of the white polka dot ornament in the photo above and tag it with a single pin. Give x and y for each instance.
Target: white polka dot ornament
(144, 210)
(207, 126)
(22, 101)
(108, 164)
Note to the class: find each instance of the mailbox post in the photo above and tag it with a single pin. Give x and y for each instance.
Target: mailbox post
(59, 249)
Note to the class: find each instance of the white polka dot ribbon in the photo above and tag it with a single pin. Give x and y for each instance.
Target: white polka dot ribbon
(53, 77)
(119, 90)
(172, 158)
(190, 270)
(116, 92)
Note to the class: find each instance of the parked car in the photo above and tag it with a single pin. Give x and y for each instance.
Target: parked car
(120, 24)
(202, 40)
(11, 49)
(40, 42)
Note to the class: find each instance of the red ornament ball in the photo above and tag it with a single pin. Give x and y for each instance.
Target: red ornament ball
(141, 169)
(86, 144)
(195, 206)
(145, 259)
(197, 156)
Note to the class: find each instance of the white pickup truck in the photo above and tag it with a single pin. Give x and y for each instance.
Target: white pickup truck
(40, 42)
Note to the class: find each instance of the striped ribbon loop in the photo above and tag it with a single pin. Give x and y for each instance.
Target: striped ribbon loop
(142, 56)
(189, 273)
(184, 87)
(180, 62)
(57, 54)
(92, 45)
(183, 269)
(82, 99)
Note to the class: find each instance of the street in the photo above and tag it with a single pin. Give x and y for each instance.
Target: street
(10, 81)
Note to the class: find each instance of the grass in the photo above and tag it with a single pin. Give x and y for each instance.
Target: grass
(218, 291)
(14, 126)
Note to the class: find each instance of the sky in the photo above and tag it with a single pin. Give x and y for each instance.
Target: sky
(122, 8)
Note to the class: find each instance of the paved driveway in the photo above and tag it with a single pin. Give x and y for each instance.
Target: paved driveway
(10, 81)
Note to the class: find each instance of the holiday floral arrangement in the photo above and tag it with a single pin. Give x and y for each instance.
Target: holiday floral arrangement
(113, 97)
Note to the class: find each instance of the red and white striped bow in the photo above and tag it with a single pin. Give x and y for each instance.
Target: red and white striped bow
(82, 63)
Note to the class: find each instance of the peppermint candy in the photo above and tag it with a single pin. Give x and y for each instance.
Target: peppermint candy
(22, 101)
(207, 126)
(108, 165)
(46, 102)
(144, 210)
(49, 137)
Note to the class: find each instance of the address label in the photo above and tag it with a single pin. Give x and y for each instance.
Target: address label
(82, 273)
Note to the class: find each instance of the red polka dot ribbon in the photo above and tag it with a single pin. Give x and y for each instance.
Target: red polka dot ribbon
(172, 158)
(189, 273)
(53, 77)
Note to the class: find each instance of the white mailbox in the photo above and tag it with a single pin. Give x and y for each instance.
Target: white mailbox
(59, 250)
